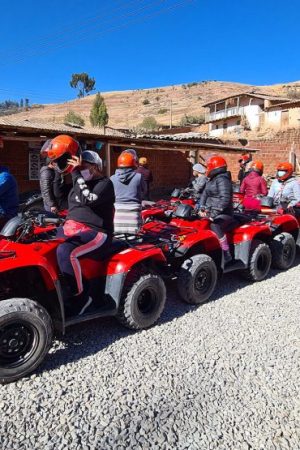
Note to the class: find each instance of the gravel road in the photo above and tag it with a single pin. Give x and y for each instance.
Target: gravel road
(221, 376)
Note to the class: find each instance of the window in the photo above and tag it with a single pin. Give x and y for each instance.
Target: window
(238, 122)
(225, 126)
(217, 127)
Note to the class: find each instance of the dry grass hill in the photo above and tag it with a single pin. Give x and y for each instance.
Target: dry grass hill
(127, 109)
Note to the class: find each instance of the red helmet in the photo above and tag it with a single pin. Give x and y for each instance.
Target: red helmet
(244, 159)
(215, 164)
(59, 150)
(258, 167)
(126, 160)
(284, 171)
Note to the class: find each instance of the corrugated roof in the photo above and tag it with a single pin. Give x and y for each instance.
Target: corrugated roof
(262, 95)
(55, 127)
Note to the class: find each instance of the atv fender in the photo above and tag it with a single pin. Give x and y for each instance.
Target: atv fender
(206, 240)
(286, 223)
(121, 263)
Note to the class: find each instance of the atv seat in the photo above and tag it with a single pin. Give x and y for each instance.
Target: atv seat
(241, 218)
(108, 249)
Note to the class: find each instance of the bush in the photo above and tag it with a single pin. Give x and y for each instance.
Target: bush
(72, 117)
(190, 120)
(293, 92)
(146, 102)
(162, 111)
(149, 124)
(194, 83)
(157, 98)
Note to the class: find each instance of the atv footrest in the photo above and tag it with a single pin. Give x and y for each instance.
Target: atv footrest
(234, 265)
(90, 316)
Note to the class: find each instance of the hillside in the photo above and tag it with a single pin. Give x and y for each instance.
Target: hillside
(127, 109)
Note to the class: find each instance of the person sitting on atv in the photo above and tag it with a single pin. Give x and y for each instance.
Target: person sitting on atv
(244, 162)
(254, 185)
(216, 200)
(129, 188)
(54, 184)
(89, 223)
(9, 197)
(199, 182)
(285, 188)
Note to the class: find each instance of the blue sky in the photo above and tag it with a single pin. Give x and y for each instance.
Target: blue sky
(147, 43)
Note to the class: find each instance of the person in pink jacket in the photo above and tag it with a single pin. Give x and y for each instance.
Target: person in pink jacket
(254, 185)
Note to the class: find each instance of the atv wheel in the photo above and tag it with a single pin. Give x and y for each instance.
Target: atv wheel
(260, 259)
(283, 250)
(197, 279)
(143, 301)
(25, 337)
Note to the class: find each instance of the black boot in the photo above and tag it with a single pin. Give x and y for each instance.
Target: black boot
(227, 256)
(75, 305)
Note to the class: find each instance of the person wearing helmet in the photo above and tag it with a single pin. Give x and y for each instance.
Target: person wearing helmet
(199, 182)
(216, 201)
(89, 223)
(129, 189)
(147, 174)
(244, 161)
(254, 185)
(285, 189)
(55, 184)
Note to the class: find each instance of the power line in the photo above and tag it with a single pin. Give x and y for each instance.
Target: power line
(139, 19)
(66, 30)
(70, 37)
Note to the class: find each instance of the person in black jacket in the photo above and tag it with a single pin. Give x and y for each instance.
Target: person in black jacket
(54, 188)
(89, 223)
(147, 174)
(216, 201)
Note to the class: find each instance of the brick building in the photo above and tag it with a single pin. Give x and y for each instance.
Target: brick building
(170, 156)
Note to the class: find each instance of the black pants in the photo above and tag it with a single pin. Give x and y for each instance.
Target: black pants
(222, 224)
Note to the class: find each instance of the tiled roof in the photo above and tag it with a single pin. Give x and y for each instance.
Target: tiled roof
(261, 95)
(284, 105)
(190, 136)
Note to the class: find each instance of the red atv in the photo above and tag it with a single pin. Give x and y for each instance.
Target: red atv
(158, 209)
(199, 258)
(284, 225)
(123, 282)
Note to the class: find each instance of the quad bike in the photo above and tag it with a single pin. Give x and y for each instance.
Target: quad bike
(285, 227)
(123, 282)
(199, 258)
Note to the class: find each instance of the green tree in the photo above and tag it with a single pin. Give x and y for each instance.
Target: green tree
(83, 83)
(99, 115)
(149, 124)
(72, 117)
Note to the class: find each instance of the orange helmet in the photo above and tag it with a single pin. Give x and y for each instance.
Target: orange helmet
(143, 161)
(284, 171)
(126, 160)
(215, 164)
(244, 159)
(257, 166)
(59, 150)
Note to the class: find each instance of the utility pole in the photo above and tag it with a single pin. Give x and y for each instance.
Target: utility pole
(170, 113)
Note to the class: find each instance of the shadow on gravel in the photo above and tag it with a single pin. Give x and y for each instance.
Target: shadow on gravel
(90, 338)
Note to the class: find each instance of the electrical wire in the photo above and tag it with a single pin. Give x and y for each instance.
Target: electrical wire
(32, 51)
(139, 19)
